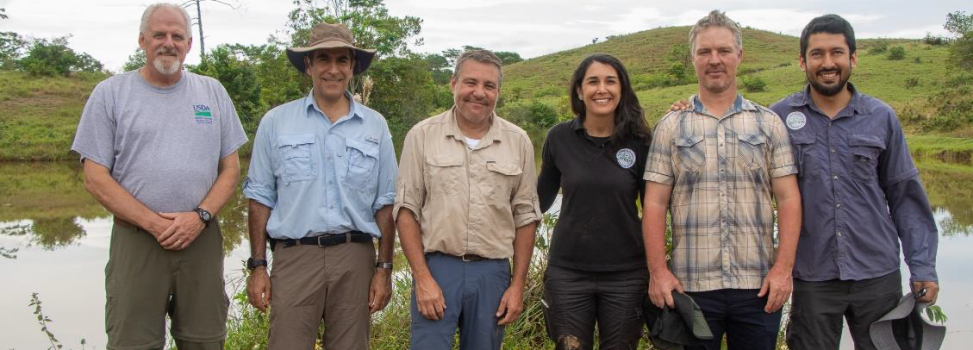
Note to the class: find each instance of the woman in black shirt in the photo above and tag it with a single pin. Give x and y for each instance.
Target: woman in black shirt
(596, 271)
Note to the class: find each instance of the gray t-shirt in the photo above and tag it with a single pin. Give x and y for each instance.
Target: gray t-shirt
(163, 145)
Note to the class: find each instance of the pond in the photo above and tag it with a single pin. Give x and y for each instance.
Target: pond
(54, 241)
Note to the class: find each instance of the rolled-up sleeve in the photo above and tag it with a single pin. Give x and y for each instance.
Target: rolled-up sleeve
(782, 157)
(526, 207)
(908, 205)
(658, 162)
(387, 173)
(410, 189)
(261, 184)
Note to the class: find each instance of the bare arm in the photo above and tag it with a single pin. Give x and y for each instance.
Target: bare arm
(661, 281)
(258, 284)
(380, 290)
(778, 281)
(111, 195)
(429, 297)
(512, 302)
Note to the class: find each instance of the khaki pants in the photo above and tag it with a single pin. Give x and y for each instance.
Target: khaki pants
(311, 283)
(144, 283)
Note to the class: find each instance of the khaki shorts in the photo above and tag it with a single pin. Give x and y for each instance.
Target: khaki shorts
(310, 284)
(144, 283)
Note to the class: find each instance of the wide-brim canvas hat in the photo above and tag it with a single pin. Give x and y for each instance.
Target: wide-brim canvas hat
(330, 36)
(904, 328)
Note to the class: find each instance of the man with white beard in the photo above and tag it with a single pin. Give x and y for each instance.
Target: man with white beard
(159, 149)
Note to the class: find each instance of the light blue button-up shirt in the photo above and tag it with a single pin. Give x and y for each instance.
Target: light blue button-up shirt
(318, 177)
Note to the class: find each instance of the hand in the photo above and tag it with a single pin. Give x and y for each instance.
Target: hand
(680, 105)
(661, 285)
(258, 289)
(185, 227)
(380, 290)
(779, 285)
(511, 305)
(932, 291)
(158, 225)
(429, 299)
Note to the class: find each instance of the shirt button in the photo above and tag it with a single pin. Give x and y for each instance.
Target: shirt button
(331, 207)
(839, 233)
(832, 150)
(722, 170)
(838, 206)
(836, 177)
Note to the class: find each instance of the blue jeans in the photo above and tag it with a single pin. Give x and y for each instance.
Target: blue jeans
(472, 290)
(738, 313)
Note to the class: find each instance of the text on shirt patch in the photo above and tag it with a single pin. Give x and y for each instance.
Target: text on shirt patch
(796, 120)
(203, 114)
(625, 157)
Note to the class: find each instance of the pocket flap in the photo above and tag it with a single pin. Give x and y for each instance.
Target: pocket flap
(295, 140)
(866, 140)
(688, 141)
(506, 169)
(802, 138)
(444, 161)
(753, 139)
(365, 148)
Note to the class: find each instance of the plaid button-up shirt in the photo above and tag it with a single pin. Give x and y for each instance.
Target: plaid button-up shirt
(720, 170)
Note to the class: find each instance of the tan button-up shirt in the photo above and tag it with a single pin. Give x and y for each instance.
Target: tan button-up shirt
(720, 170)
(468, 201)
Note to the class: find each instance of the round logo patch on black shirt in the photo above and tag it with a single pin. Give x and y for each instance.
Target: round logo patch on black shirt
(625, 157)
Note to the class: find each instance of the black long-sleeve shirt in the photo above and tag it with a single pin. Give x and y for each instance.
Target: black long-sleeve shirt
(599, 228)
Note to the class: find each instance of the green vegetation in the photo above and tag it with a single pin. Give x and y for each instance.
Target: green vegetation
(896, 53)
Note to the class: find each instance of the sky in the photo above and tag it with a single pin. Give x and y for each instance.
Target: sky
(108, 29)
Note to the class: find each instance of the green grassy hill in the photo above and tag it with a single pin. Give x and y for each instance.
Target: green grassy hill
(38, 115)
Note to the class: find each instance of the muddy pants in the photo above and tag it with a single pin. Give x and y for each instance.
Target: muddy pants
(575, 300)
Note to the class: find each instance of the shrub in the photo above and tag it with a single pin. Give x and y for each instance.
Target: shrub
(878, 47)
(917, 60)
(532, 112)
(911, 82)
(934, 40)
(754, 84)
(896, 53)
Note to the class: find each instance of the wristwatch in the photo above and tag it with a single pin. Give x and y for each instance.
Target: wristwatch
(203, 215)
(383, 265)
(253, 263)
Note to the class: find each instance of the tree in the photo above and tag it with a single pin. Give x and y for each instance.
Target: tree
(12, 47)
(508, 57)
(3, 13)
(369, 21)
(403, 91)
(240, 80)
(959, 23)
(135, 61)
(54, 57)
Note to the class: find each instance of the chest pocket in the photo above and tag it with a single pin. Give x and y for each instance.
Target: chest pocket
(295, 155)
(865, 150)
(443, 175)
(803, 143)
(690, 152)
(362, 164)
(752, 150)
(502, 178)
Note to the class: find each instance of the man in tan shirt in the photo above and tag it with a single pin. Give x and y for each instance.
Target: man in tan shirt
(467, 185)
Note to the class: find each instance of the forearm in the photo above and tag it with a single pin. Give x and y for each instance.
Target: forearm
(257, 217)
(523, 250)
(386, 244)
(914, 222)
(226, 181)
(410, 236)
(654, 235)
(117, 200)
(789, 232)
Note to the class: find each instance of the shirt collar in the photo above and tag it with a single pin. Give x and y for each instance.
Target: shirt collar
(739, 105)
(803, 98)
(354, 109)
(453, 130)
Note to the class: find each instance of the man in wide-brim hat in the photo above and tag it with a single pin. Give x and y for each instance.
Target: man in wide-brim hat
(321, 185)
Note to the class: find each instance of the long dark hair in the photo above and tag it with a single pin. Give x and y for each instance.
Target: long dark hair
(629, 118)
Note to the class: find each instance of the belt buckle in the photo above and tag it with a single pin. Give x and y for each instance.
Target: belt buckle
(320, 242)
(463, 257)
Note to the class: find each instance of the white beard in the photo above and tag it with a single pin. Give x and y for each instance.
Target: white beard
(160, 66)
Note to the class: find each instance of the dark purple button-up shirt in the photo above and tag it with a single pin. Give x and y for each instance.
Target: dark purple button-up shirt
(860, 192)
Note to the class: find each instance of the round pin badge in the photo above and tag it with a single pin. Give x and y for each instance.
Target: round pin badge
(625, 157)
(796, 120)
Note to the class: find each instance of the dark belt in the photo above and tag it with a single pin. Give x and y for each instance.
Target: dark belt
(325, 240)
(464, 257)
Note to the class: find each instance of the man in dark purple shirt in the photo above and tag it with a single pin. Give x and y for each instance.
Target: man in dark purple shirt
(862, 196)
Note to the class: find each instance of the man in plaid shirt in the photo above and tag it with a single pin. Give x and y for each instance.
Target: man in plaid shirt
(717, 168)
